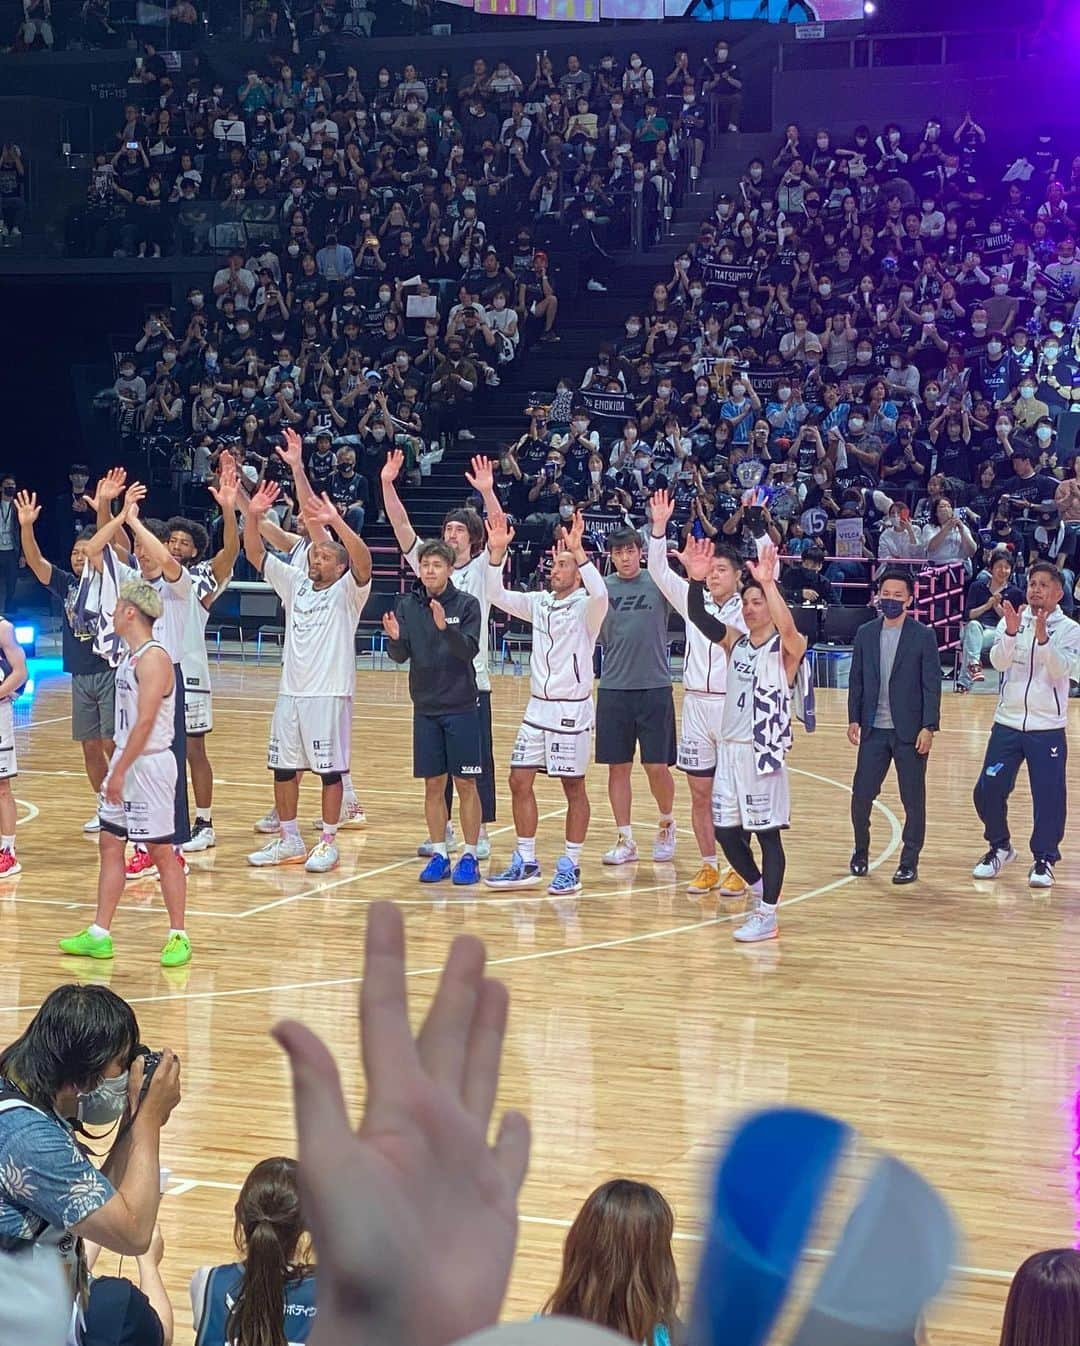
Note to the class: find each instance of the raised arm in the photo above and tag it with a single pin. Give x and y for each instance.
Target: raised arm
(293, 454)
(395, 510)
(225, 493)
(257, 509)
(673, 587)
(500, 535)
(279, 538)
(322, 510)
(28, 511)
(482, 479)
(155, 549)
(107, 534)
(596, 604)
(792, 640)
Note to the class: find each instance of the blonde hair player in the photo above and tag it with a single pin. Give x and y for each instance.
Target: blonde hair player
(137, 798)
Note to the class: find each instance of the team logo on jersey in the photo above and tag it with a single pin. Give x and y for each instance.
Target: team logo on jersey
(471, 770)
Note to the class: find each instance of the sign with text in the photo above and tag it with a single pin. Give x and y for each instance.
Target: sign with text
(849, 538)
(618, 405)
(987, 244)
(728, 276)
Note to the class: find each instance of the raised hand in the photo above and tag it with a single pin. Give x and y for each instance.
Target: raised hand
(321, 509)
(395, 461)
(109, 487)
(390, 625)
(482, 476)
(438, 614)
(499, 532)
(662, 508)
(696, 557)
(228, 484)
(27, 507)
(388, 1202)
(293, 450)
(574, 533)
(1012, 617)
(764, 568)
(263, 499)
(135, 494)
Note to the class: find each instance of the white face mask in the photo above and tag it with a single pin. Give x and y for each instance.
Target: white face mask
(993, 348)
(1039, 296)
(738, 392)
(824, 291)
(856, 423)
(566, 511)
(581, 426)
(105, 1104)
(1027, 392)
(1057, 327)
(978, 328)
(703, 390)
(1044, 434)
(641, 463)
(384, 296)
(696, 292)
(863, 357)
(378, 433)
(1051, 352)
(1001, 290)
(754, 324)
(783, 394)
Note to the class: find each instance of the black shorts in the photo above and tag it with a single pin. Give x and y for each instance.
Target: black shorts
(447, 744)
(626, 720)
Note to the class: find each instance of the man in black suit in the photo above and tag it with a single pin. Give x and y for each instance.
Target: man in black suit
(894, 702)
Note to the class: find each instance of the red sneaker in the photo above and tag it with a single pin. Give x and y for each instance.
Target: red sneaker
(183, 863)
(140, 866)
(9, 866)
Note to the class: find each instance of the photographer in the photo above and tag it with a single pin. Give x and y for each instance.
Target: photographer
(76, 1064)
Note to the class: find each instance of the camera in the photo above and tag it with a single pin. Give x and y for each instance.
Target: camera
(151, 1061)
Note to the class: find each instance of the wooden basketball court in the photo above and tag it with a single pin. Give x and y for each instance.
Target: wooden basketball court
(941, 1019)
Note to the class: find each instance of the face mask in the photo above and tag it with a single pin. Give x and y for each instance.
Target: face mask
(1057, 327)
(993, 348)
(928, 207)
(863, 357)
(1001, 289)
(928, 315)
(581, 426)
(384, 296)
(891, 608)
(820, 478)
(1003, 425)
(105, 1104)
(894, 137)
(703, 390)
(663, 392)
(641, 463)
(738, 392)
(635, 64)
(1027, 392)
(639, 175)
(906, 296)
(696, 292)
(755, 176)
(783, 394)
(294, 249)
(169, 357)
(1039, 296)
(1051, 352)
(825, 291)
(1044, 434)
(978, 328)
(856, 423)
(566, 511)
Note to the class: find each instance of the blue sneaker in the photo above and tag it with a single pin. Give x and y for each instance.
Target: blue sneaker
(466, 871)
(519, 873)
(566, 879)
(436, 869)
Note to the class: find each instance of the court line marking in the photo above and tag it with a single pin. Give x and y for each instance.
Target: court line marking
(181, 1187)
(32, 812)
(537, 954)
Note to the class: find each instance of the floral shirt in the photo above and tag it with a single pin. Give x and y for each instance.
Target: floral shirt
(44, 1174)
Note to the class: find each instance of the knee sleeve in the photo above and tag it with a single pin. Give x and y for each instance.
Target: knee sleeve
(330, 777)
(283, 776)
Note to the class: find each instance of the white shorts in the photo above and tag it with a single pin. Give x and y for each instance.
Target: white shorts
(699, 733)
(310, 733)
(742, 798)
(198, 712)
(8, 765)
(555, 737)
(148, 811)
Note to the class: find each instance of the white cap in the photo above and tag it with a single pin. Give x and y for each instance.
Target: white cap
(545, 1332)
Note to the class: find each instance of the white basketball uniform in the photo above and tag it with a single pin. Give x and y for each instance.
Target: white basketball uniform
(556, 733)
(471, 578)
(9, 766)
(194, 661)
(146, 813)
(312, 725)
(704, 667)
(741, 796)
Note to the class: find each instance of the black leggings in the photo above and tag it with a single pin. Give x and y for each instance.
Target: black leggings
(735, 843)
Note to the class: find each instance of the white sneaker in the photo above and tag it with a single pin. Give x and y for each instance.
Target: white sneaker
(92, 824)
(324, 856)
(269, 823)
(760, 924)
(664, 845)
(426, 849)
(990, 866)
(201, 839)
(624, 852)
(352, 813)
(1041, 874)
(483, 848)
(280, 851)
(596, 286)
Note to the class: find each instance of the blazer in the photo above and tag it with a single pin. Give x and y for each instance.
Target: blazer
(915, 685)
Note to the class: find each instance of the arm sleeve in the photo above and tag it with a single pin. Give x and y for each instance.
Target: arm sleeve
(464, 639)
(696, 613)
(1060, 656)
(597, 604)
(411, 557)
(670, 585)
(283, 578)
(931, 681)
(515, 603)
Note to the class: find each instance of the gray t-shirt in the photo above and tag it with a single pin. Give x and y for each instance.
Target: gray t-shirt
(890, 642)
(634, 635)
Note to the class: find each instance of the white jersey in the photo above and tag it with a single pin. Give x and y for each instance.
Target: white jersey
(565, 631)
(127, 703)
(705, 664)
(194, 662)
(319, 654)
(738, 724)
(298, 556)
(470, 579)
(170, 626)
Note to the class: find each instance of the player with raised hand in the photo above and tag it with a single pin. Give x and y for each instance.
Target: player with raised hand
(556, 732)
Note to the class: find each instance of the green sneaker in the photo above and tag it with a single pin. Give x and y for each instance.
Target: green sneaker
(86, 945)
(177, 951)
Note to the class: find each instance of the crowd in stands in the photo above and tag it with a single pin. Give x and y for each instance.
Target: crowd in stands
(402, 1231)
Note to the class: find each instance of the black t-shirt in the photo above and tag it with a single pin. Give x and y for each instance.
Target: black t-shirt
(78, 649)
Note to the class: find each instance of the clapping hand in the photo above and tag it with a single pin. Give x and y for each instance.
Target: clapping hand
(390, 625)
(572, 538)
(1012, 616)
(388, 1202)
(438, 614)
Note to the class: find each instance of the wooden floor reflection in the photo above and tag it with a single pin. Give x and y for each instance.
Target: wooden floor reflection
(941, 1020)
